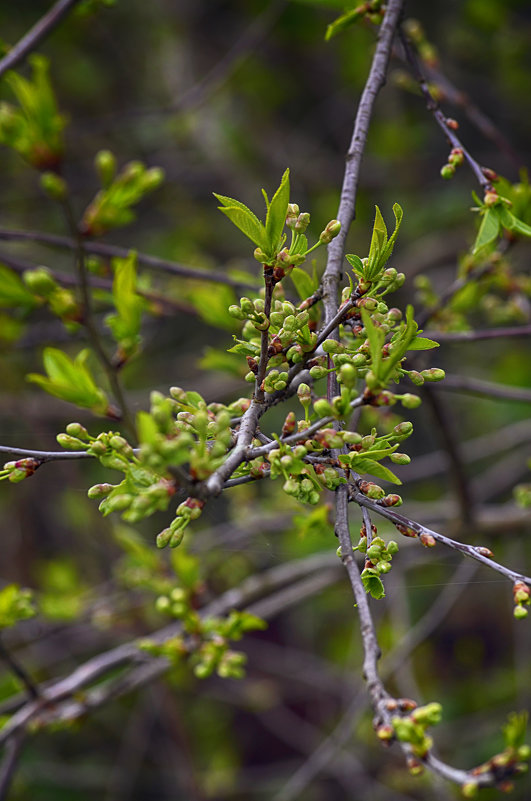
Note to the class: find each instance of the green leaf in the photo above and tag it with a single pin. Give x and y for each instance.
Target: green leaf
(376, 339)
(147, 428)
(304, 284)
(373, 584)
(213, 306)
(244, 219)
(13, 292)
(422, 343)
(342, 22)
(363, 464)
(398, 212)
(515, 729)
(125, 325)
(488, 231)
(356, 264)
(246, 348)
(70, 380)
(276, 215)
(378, 245)
(512, 223)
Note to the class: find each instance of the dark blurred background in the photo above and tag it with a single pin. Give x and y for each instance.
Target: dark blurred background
(224, 96)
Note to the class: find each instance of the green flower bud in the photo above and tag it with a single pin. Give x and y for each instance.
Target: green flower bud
(100, 491)
(292, 214)
(178, 394)
(416, 377)
(331, 231)
(175, 539)
(54, 186)
(331, 346)
(348, 375)
(236, 312)
(520, 612)
(152, 179)
(70, 443)
(410, 401)
(392, 547)
(290, 323)
(118, 443)
(77, 430)
(448, 171)
(162, 604)
(351, 437)
(469, 789)
(275, 318)
(433, 374)
(400, 458)
(403, 429)
(368, 441)
(322, 407)
(318, 372)
(303, 221)
(118, 502)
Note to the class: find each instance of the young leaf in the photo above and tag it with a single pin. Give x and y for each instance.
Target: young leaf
(422, 343)
(398, 212)
(342, 22)
(244, 219)
(512, 223)
(376, 339)
(70, 380)
(373, 584)
(125, 325)
(488, 231)
(378, 245)
(356, 264)
(276, 215)
(13, 291)
(304, 285)
(362, 464)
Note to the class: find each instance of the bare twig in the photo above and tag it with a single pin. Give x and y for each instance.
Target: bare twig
(487, 389)
(113, 251)
(440, 118)
(479, 334)
(32, 39)
(9, 764)
(347, 204)
(19, 671)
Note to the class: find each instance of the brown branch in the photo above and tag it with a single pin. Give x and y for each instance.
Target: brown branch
(32, 39)
(113, 251)
(347, 204)
(464, 548)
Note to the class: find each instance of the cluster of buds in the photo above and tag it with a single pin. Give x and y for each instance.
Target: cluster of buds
(190, 509)
(522, 599)
(411, 728)
(455, 159)
(19, 470)
(432, 374)
(252, 310)
(378, 554)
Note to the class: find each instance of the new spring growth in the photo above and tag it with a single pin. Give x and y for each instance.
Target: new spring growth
(522, 599)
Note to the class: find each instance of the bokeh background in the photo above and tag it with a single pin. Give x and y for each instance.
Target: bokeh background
(224, 96)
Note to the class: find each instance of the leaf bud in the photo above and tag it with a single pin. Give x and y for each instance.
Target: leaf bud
(331, 231)
(54, 186)
(370, 304)
(371, 490)
(428, 715)
(428, 540)
(392, 500)
(260, 256)
(385, 733)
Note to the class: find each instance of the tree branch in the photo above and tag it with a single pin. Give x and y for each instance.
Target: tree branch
(32, 39)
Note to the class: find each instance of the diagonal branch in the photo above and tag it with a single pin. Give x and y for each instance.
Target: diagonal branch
(32, 39)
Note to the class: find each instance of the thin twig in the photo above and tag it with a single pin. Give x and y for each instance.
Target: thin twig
(440, 118)
(487, 389)
(113, 251)
(464, 548)
(32, 39)
(479, 334)
(92, 331)
(9, 764)
(19, 671)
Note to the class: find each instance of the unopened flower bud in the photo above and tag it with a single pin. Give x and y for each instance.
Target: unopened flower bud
(400, 458)
(331, 231)
(40, 281)
(410, 401)
(260, 256)
(303, 221)
(447, 171)
(100, 491)
(322, 407)
(105, 164)
(70, 443)
(433, 374)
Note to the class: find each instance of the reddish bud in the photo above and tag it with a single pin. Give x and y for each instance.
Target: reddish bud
(452, 124)
(427, 540)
